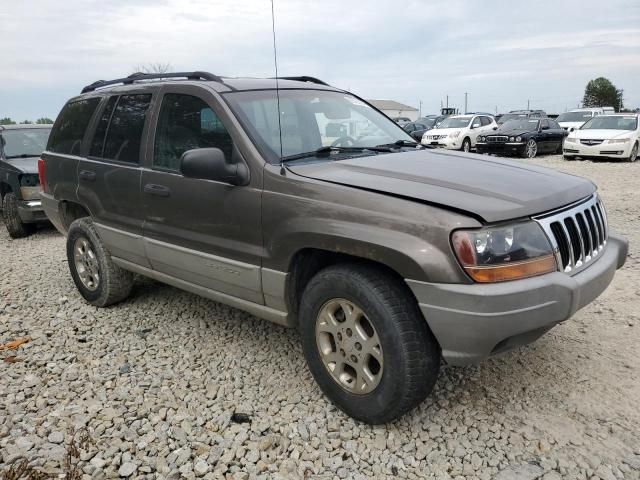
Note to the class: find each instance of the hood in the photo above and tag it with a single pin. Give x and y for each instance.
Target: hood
(510, 131)
(24, 165)
(487, 187)
(442, 131)
(571, 124)
(601, 134)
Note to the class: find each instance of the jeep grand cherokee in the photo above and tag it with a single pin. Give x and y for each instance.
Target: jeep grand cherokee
(306, 206)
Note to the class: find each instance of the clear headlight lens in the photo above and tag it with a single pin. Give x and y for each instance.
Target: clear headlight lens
(518, 139)
(619, 140)
(498, 254)
(482, 139)
(571, 140)
(512, 139)
(455, 134)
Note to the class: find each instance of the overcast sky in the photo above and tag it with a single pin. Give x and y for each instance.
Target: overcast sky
(500, 52)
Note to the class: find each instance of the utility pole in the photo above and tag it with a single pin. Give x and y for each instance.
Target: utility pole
(528, 108)
(420, 109)
(465, 102)
(496, 109)
(447, 101)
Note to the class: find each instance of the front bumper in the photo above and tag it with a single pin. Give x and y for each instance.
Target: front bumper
(30, 211)
(448, 143)
(473, 322)
(504, 148)
(604, 150)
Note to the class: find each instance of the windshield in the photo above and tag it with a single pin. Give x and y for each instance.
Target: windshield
(453, 122)
(524, 124)
(511, 116)
(27, 142)
(611, 123)
(574, 117)
(312, 119)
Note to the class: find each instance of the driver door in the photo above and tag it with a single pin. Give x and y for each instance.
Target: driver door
(203, 232)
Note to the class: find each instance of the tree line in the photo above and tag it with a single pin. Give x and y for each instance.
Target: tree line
(39, 121)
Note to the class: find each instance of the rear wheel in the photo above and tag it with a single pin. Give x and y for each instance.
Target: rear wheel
(100, 281)
(366, 342)
(15, 226)
(531, 148)
(466, 145)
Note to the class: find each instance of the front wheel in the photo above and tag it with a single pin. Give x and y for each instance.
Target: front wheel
(100, 281)
(12, 221)
(531, 148)
(466, 145)
(366, 342)
(634, 153)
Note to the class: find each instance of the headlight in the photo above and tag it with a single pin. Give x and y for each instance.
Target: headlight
(518, 139)
(482, 139)
(571, 140)
(512, 139)
(618, 140)
(455, 134)
(498, 254)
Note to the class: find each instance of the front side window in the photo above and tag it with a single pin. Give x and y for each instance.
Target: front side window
(186, 123)
(68, 131)
(544, 124)
(124, 132)
(24, 142)
(485, 121)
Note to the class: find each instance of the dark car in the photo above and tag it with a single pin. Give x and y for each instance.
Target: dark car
(520, 114)
(386, 256)
(20, 148)
(416, 129)
(524, 137)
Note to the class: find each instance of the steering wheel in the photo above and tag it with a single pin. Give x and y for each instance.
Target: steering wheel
(345, 141)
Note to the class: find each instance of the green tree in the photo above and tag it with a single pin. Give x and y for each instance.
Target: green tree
(600, 92)
(26, 122)
(6, 121)
(44, 121)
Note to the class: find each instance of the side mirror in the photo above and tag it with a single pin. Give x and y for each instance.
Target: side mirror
(475, 125)
(495, 128)
(211, 164)
(571, 129)
(545, 127)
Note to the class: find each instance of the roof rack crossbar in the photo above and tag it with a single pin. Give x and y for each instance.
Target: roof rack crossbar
(305, 78)
(135, 77)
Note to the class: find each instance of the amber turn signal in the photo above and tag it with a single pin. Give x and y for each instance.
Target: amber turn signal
(513, 271)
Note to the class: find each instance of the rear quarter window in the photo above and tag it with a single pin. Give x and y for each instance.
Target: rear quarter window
(69, 129)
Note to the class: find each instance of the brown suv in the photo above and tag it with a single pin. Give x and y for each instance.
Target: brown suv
(306, 206)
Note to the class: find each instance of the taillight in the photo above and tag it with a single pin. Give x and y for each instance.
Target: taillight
(42, 176)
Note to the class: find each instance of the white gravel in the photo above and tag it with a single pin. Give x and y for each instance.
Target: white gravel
(157, 380)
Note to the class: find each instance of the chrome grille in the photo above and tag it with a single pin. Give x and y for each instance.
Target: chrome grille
(497, 138)
(591, 141)
(577, 233)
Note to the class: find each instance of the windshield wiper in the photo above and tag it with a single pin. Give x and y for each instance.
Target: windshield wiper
(322, 151)
(401, 143)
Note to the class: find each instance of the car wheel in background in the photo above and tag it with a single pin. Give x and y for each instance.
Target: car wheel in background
(530, 149)
(569, 157)
(634, 153)
(15, 226)
(367, 343)
(466, 145)
(100, 281)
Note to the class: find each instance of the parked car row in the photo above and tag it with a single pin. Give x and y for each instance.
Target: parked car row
(325, 216)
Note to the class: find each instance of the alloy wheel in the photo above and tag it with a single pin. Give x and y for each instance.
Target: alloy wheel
(634, 153)
(531, 148)
(86, 263)
(349, 346)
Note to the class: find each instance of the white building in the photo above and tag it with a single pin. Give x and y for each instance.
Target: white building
(395, 109)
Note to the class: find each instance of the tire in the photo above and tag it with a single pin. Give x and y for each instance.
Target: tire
(466, 145)
(15, 226)
(634, 153)
(530, 149)
(569, 158)
(408, 352)
(560, 148)
(100, 281)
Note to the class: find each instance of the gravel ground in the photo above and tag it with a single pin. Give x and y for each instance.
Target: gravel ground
(171, 385)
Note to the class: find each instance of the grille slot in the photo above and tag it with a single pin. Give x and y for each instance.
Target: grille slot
(578, 234)
(497, 139)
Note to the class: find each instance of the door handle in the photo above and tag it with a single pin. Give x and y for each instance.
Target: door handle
(87, 175)
(158, 190)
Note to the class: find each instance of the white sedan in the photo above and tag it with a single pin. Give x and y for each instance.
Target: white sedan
(459, 132)
(605, 136)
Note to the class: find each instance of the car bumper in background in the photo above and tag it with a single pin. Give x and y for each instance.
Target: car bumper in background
(507, 148)
(473, 322)
(604, 150)
(448, 143)
(30, 211)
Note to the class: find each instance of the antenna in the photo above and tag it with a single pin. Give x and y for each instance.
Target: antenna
(275, 61)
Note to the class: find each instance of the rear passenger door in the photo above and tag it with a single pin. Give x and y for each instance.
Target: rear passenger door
(109, 178)
(204, 232)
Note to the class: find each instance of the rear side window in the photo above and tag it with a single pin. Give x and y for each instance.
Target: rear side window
(185, 123)
(97, 145)
(68, 131)
(123, 134)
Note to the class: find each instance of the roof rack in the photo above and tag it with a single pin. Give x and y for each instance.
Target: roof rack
(135, 77)
(305, 78)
